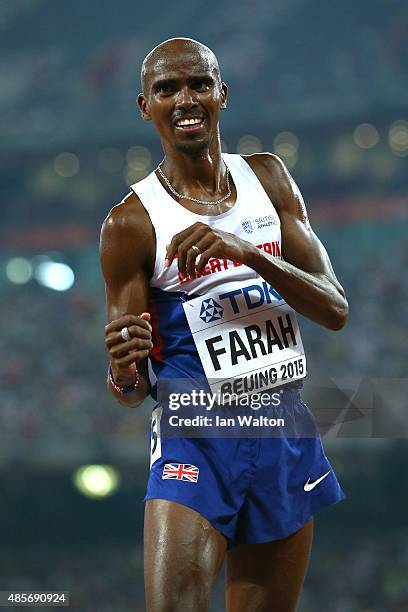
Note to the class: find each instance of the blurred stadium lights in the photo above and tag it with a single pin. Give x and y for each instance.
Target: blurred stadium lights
(139, 157)
(347, 157)
(66, 164)
(19, 270)
(96, 481)
(383, 165)
(249, 144)
(398, 138)
(110, 159)
(366, 136)
(286, 145)
(139, 160)
(133, 175)
(57, 276)
(45, 182)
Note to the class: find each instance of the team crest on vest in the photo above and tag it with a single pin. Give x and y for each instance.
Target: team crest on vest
(247, 226)
(211, 310)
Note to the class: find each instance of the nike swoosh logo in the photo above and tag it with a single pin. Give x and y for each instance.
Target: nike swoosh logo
(308, 486)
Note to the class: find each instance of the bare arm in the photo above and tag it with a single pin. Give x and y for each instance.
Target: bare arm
(305, 277)
(126, 253)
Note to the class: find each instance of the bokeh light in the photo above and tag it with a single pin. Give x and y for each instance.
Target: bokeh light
(286, 145)
(398, 138)
(139, 161)
(133, 175)
(249, 144)
(66, 164)
(366, 136)
(139, 157)
(57, 276)
(96, 481)
(19, 270)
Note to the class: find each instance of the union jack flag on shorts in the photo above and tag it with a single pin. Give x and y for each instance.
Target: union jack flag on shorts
(180, 471)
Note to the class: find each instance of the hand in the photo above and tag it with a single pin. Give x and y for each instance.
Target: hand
(211, 243)
(125, 355)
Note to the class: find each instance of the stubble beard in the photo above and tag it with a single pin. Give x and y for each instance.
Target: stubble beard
(193, 148)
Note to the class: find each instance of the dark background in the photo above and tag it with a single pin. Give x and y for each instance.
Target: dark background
(323, 85)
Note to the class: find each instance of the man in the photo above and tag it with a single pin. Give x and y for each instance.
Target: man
(182, 233)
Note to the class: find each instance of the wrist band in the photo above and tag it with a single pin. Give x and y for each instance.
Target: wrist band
(123, 390)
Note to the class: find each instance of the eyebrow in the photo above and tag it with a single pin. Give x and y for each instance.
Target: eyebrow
(156, 85)
(208, 78)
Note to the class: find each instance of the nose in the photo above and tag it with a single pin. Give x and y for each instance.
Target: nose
(186, 98)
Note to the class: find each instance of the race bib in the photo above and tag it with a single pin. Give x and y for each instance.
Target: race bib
(248, 339)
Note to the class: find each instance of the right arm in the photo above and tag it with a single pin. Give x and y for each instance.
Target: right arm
(127, 248)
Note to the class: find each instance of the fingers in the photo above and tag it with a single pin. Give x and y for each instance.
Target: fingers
(191, 235)
(204, 258)
(135, 344)
(210, 242)
(194, 261)
(186, 254)
(123, 353)
(189, 268)
(128, 320)
(135, 331)
(133, 357)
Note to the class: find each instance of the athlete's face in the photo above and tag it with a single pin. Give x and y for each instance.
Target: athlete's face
(183, 96)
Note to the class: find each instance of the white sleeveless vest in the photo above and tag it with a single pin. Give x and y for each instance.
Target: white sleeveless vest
(228, 325)
(252, 218)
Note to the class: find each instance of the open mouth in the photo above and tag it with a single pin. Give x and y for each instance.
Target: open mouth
(189, 124)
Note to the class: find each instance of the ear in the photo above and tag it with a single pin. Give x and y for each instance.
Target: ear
(144, 111)
(224, 96)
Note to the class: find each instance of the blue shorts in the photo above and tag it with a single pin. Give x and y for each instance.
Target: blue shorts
(250, 489)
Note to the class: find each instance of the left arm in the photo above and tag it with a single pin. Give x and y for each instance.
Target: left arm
(304, 278)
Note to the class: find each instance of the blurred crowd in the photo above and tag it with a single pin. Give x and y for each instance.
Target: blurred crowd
(370, 575)
(54, 399)
(53, 392)
(281, 44)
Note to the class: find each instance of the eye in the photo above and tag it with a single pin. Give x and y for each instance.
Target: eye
(165, 90)
(202, 86)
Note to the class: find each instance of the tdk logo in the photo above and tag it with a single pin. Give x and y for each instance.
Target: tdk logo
(211, 310)
(254, 296)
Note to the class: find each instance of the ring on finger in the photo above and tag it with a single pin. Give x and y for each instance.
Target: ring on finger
(196, 249)
(125, 333)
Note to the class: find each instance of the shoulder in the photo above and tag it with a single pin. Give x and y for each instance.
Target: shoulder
(128, 217)
(127, 229)
(277, 181)
(270, 166)
(266, 160)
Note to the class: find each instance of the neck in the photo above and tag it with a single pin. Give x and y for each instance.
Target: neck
(204, 171)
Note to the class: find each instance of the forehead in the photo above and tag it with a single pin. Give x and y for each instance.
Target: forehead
(180, 63)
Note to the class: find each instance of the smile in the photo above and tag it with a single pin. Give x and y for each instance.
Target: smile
(189, 125)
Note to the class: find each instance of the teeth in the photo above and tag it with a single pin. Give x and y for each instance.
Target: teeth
(189, 121)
